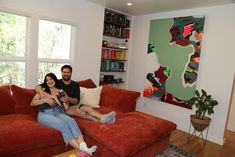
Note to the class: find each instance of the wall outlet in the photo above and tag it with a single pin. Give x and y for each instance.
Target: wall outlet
(144, 104)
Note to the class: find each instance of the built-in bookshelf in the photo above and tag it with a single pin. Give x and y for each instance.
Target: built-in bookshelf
(114, 52)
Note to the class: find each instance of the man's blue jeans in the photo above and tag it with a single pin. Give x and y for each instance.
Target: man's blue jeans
(54, 118)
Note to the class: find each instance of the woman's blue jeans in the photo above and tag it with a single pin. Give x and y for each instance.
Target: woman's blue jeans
(54, 118)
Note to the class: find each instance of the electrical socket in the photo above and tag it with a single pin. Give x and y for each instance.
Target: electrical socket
(144, 104)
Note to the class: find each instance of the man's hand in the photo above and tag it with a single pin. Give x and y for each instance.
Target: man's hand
(70, 100)
(80, 113)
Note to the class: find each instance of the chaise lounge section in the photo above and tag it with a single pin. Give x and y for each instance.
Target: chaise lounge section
(135, 134)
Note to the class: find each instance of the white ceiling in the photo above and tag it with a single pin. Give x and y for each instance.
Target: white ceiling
(141, 7)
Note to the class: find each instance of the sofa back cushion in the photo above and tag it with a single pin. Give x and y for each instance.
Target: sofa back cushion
(119, 99)
(23, 97)
(87, 83)
(90, 96)
(7, 102)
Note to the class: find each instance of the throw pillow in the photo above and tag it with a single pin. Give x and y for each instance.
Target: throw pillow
(23, 97)
(7, 100)
(90, 96)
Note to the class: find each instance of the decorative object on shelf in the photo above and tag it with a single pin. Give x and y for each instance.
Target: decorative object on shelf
(122, 46)
(108, 78)
(175, 44)
(101, 77)
(107, 44)
(112, 45)
(118, 80)
(104, 43)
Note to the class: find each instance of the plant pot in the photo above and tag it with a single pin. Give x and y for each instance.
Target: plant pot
(200, 124)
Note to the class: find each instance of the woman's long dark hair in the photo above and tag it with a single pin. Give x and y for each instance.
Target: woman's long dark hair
(45, 86)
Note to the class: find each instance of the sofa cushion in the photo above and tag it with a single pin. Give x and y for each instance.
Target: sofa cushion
(118, 98)
(23, 97)
(20, 132)
(87, 83)
(90, 96)
(7, 102)
(135, 131)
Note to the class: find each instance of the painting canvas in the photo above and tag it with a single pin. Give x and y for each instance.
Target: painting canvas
(174, 49)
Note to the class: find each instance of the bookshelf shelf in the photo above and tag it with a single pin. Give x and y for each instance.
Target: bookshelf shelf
(113, 82)
(115, 36)
(113, 71)
(118, 60)
(115, 48)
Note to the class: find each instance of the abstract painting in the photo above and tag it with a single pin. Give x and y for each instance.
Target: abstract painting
(174, 48)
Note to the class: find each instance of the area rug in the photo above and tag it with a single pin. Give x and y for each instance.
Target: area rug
(174, 151)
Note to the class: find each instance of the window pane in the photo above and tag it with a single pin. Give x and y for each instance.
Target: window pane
(44, 68)
(12, 35)
(54, 40)
(12, 73)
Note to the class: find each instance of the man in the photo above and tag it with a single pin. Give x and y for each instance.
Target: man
(72, 97)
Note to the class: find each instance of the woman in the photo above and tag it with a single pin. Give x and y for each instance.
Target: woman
(51, 114)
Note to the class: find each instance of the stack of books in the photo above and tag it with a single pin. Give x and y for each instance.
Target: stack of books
(113, 54)
(112, 66)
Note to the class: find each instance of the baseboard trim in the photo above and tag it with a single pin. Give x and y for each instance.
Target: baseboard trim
(209, 138)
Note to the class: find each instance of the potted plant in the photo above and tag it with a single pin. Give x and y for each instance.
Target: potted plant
(204, 103)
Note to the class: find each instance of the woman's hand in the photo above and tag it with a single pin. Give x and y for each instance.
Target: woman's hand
(43, 94)
(37, 100)
(50, 101)
(51, 96)
(66, 106)
(66, 98)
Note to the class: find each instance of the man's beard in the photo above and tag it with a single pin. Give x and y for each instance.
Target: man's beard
(66, 78)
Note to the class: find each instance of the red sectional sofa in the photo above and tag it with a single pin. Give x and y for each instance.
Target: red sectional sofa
(134, 134)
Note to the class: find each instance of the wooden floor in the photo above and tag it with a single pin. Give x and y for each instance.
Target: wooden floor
(196, 146)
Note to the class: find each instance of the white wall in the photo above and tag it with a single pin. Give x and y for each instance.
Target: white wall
(87, 17)
(231, 118)
(215, 72)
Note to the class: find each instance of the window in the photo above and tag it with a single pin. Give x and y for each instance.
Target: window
(12, 49)
(54, 47)
(17, 58)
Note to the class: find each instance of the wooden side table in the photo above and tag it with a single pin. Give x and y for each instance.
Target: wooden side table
(73, 153)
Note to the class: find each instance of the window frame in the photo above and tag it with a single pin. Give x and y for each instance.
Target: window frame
(19, 58)
(70, 60)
